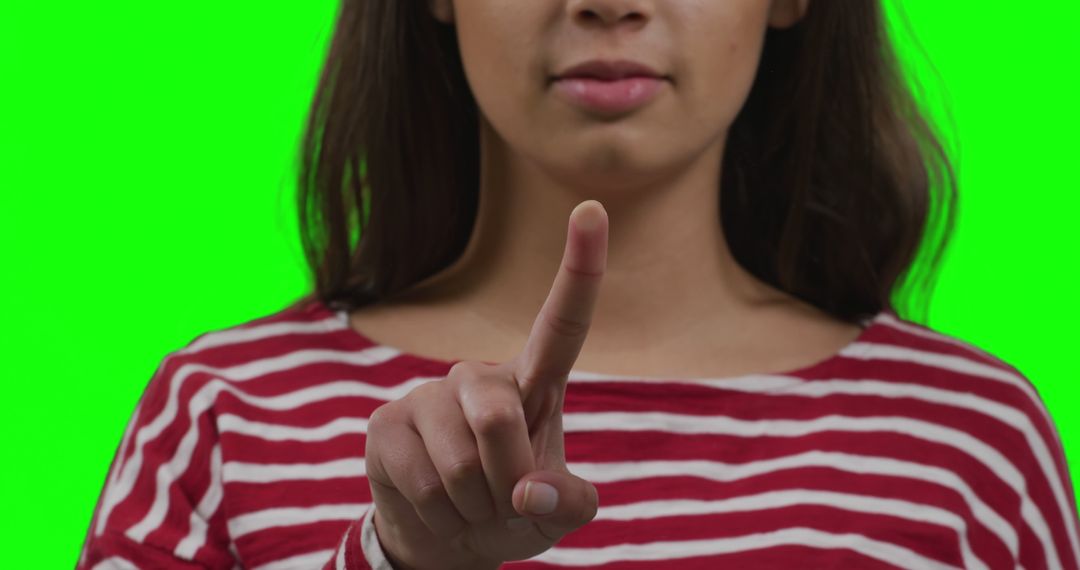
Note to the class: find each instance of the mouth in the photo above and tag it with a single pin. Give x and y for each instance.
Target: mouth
(608, 70)
(608, 96)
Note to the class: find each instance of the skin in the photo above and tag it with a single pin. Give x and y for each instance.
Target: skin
(640, 266)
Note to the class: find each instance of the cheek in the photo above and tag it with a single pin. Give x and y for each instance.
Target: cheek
(721, 72)
(501, 63)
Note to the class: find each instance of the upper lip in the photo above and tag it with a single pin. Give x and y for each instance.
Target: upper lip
(609, 69)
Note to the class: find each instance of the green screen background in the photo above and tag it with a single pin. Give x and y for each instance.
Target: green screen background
(146, 181)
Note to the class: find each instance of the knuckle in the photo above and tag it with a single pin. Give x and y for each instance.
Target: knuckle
(582, 274)
(430, 493)
(496, 420)
(464, 368)
(477, 378)
(424, 390)
(566, 327)
(464, 470)
(378, 417)
(591, 503)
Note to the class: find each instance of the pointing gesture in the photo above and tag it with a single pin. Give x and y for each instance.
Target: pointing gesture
(457, 466)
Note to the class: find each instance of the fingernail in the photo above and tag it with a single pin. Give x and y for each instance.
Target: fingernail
(540, 498)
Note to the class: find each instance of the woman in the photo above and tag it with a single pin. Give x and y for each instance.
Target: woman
(744, 187)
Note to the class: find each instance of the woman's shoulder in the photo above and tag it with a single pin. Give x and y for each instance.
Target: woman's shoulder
(312, 321)
(900, 350)
(293, 348)
(893, 337)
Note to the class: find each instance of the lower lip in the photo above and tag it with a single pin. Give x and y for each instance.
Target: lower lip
(617, 96)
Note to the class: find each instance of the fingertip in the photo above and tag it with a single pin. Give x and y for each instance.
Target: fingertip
(588, 215)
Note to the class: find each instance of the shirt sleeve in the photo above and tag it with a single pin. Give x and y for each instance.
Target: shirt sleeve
(1047, 527)
(359, 548)
(159, 507)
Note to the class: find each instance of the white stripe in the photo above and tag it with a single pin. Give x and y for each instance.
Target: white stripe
(754, 383)
(795, 497)
(369, 543)
(291, 516)
(961, 441)
(200, 516)
(339, 560)
(748, 383)
(673, 550)
(607, 472)
(230, 423)
(250, 333)
(110, 489)
(113, 475)
(309, 561)
(322, 392)
(237, 472)
(910, 328)
(120, 454)
(115, 563)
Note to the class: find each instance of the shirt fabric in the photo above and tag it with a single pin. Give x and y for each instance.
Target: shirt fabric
(906, 449)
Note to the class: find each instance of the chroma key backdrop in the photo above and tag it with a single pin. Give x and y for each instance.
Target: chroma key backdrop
(147, 157)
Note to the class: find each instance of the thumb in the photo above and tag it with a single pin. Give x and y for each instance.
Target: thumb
(558, 502)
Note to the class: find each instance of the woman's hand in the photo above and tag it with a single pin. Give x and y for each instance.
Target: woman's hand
(448, 463)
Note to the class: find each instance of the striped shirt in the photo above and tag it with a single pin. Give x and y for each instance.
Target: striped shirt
(908, 448)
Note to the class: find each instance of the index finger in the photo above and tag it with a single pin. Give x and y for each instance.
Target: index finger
(563, 322)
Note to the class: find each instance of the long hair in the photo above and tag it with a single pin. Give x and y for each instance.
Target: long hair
(831, 178)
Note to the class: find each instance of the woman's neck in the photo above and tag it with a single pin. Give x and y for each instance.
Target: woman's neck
(668, 263)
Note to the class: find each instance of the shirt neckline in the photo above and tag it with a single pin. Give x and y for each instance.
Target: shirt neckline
(339, 319)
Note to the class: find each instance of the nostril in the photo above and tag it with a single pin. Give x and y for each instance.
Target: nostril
(592, 15)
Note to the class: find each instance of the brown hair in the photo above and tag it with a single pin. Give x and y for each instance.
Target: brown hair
(827, 178)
